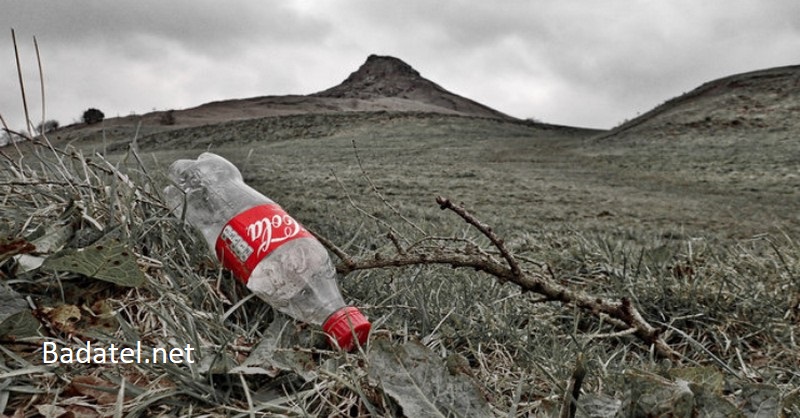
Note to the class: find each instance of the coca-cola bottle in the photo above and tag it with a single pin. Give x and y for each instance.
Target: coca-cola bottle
(264, 247)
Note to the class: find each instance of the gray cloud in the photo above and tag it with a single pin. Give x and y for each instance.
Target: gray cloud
(202, 26)
(579, 63)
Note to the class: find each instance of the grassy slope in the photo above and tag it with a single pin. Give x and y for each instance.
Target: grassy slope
(708, 251)
(524, 177)
(558, 196)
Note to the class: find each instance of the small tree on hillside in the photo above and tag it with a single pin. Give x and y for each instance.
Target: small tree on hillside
(167, 118)
(47, 126)
(92, 116)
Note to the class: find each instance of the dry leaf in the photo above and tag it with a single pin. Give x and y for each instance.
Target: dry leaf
(417, 379)
(62, 318)
(12, 247)
(110, 261)
(80, 411)
(51, 411)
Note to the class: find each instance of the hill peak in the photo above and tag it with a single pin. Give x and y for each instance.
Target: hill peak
(378, 76)
(381, 77)
(384, 66)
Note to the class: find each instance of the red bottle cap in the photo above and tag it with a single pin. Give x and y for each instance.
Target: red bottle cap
(345, 326)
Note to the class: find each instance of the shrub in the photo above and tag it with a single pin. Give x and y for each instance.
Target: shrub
(167, 118)
(92, 116)
(47, 126)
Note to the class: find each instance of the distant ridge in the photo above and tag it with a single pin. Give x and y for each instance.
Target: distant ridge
(732, 106)
(381, 84)
(763, 99)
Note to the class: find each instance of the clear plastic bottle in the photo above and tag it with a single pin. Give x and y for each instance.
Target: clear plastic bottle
(264, 247)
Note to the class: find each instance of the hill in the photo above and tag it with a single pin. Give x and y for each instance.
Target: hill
(384, 77)
(760, 101)
(381, 84)
(726, 151)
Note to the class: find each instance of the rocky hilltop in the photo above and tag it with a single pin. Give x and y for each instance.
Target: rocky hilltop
(380, 76)
(388, 77)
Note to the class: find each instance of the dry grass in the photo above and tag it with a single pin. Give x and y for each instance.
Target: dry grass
(729, 306)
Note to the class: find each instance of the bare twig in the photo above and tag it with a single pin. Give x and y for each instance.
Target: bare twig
(41, 82)
(618, 334)
(346, 259)
(43, 134)
(396, 243)
(21, 83)
(27, 183)
(485, 230)
(570, 404)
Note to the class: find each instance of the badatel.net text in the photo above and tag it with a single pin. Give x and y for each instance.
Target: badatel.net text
(113, 354)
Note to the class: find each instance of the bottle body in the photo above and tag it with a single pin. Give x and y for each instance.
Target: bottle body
(265, 248)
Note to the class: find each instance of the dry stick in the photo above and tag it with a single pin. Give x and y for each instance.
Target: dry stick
(396, 243)
(8, 131)
(47, 183)
(349, 265)
(28, 123)
(21, 83)
(41, 87)
(485, 230)
(41, 82)
(622, 312)
(570, 404)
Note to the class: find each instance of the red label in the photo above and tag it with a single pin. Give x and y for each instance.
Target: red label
(252, 235)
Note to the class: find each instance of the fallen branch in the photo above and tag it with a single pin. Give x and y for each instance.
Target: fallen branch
(625, 316)
(485, 230)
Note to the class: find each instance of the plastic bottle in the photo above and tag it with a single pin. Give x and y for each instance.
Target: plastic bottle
(264, 247)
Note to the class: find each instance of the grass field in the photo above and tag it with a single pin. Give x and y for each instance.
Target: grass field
(699, 234)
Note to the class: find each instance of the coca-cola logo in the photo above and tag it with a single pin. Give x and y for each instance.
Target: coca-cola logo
(251, 235)
(270, 231)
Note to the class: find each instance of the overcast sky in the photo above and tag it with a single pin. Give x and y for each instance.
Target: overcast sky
(580, 62)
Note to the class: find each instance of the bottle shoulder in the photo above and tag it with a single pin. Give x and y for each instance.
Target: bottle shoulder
(237, 196)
